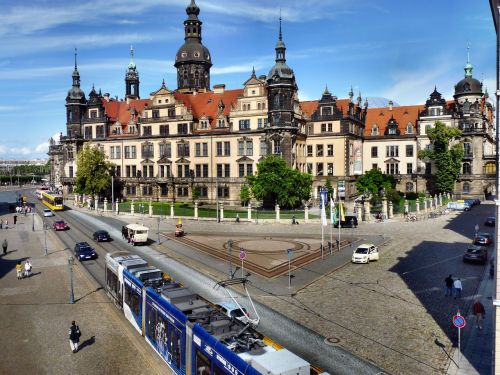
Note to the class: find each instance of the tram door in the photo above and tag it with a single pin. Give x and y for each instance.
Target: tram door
(174, 345)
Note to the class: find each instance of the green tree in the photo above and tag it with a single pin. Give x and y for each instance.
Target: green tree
(93, 174)
(275, 182)
(245, 194)
(329, 189)
(374, 181)
(196, 193)
(447, 158)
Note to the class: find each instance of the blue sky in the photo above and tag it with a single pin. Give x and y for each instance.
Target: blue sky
(386, 48)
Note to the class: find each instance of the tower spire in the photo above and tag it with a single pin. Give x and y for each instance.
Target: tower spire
(280, 35)
(468, 66)
(131, 64)
(76, 53)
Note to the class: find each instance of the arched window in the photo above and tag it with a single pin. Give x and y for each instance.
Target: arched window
(258, 105)
(277, 146)
(374, 129)
(409, 186)
(409, 128)
(489, 168)
(466, 187)
(466, 168)
(467, 149)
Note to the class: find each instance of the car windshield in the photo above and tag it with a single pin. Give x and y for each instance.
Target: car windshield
(46, 210)
(487, 235)
(83, 249)
(102, 233)
(473, 251)
(361, 250)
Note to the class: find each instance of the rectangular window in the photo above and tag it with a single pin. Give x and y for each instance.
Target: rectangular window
(392, 168)
(226, 170)
(99, 131)
(244, 124)
(197, 147)
(179, 171)
(203, 192)
(329, 150)
(249, 169)
(241, 170)
(155, 113)
(164, 130)
(309, 150)
(88, 132)
(374, 166)
(183, 150)
(323, 128)
(147, 151)
(146, 131)
(134, 171)
(329, 170)
(219, 170)
(127, 171)
(151, 171)
(204, 149)
(223, 191)
(227, 148)
(165, 150)
(330, 127)
(409, 150)
(241, 148)
(130, 152)
(182, 191)
(263, 148)
(118, 171)
(319, 150)
(219, 149)
(70, 172)
(171, 112)
(309, 168)
(409, 168)
(374, 152)
(164, 190)
(260, 123)
(182, 128)
(392, 151)
(205, 170)
(428, 168)
(319, 169)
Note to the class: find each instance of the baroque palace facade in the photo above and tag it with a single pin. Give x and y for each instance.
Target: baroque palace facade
(164, 146)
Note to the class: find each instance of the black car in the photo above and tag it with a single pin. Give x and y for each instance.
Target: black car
(101, 235)
(348, 222)
(83, 251)
(490, 221)
(476, 254)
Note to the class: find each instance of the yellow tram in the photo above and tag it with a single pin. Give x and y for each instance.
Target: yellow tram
(53, 200)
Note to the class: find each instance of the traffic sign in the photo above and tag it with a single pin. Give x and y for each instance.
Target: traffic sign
(289, 252)
(459, 321)
(243, 254)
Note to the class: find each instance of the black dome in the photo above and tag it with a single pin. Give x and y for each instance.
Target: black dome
(76, 93)
(193, 51)
(468, 86)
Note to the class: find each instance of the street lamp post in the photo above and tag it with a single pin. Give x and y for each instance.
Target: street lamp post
(142, 212)
(229, 249)
(158, 230)
(33, 220)
(352, 231)
(71, 262)
(45, 237)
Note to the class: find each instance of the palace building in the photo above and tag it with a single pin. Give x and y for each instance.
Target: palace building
(211, 138)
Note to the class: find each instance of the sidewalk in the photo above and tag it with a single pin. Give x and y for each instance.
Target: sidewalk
(477, 345)
(36, 314)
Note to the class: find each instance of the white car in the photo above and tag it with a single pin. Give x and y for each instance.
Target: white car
(47, 212)
(365, 253)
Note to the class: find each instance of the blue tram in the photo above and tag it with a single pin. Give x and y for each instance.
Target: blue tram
(189, 333)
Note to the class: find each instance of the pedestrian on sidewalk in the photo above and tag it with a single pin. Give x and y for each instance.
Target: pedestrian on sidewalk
(74, 336)
(478, 311)
(457, 286)
(19, 270)
(1, 223)
(449, 285)
(27, 269)
(15, 219)
(6, 224)
(4, 246)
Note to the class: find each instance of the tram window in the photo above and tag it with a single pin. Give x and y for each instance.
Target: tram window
(112, 281)
(175, 345)
(202, 363)
(135, 305)
(151, 323)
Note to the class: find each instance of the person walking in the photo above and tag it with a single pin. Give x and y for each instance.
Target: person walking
(27, 269)
(4, 246)
(478, 311)
(449, 285)
(6, 224)
(457, 286)
(74, 336)
(19, 270)
(15, 219)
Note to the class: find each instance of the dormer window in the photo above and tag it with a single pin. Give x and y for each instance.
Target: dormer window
(409, 128)
(204, 124)
(221, 123)
(374, 129)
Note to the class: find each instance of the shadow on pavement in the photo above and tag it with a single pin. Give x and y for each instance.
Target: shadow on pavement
(86, 343)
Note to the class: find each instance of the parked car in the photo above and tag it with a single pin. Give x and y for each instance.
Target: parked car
(483, 238)
(47, 212)
(60, 225)
(350, 221)
(83, 251)
(490, 221)
(101, 235)
(476, 254)
(365, 253)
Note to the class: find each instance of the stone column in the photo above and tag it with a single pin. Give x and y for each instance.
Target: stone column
(430, 203)
(221, 211)
(359, 211)
(440, 199)
(306, 213)
(132, 208)
(172, 210)
(249, 211)
(150, 207)
(417, 206)
(105, 205)
(96, 202)
(196, 210)
(75, 202)
(391, 210)
(407, 207)
(368, 216)
(384, 206)
(116, 207)
(277, 208)
(435, 201)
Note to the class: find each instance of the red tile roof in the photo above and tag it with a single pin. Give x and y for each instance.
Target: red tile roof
(121, 110)
(381, 116)
(207, 104)
(309, 106)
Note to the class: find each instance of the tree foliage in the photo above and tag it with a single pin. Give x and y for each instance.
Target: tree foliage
(196, 193)
(93, 174)
(329, 188)
(275, 182)
(374, 181)
(448, 160)
(245, 194)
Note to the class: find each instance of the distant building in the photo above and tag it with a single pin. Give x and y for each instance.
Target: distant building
(195, 136)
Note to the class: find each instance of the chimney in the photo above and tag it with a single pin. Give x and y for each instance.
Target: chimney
(219, 89)
(106, 96)
(390, 105)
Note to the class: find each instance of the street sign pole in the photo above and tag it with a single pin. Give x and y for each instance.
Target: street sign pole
(289, 252)
(243, 255)
(459, 322)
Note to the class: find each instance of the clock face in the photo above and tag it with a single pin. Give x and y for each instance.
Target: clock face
(184, 54)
